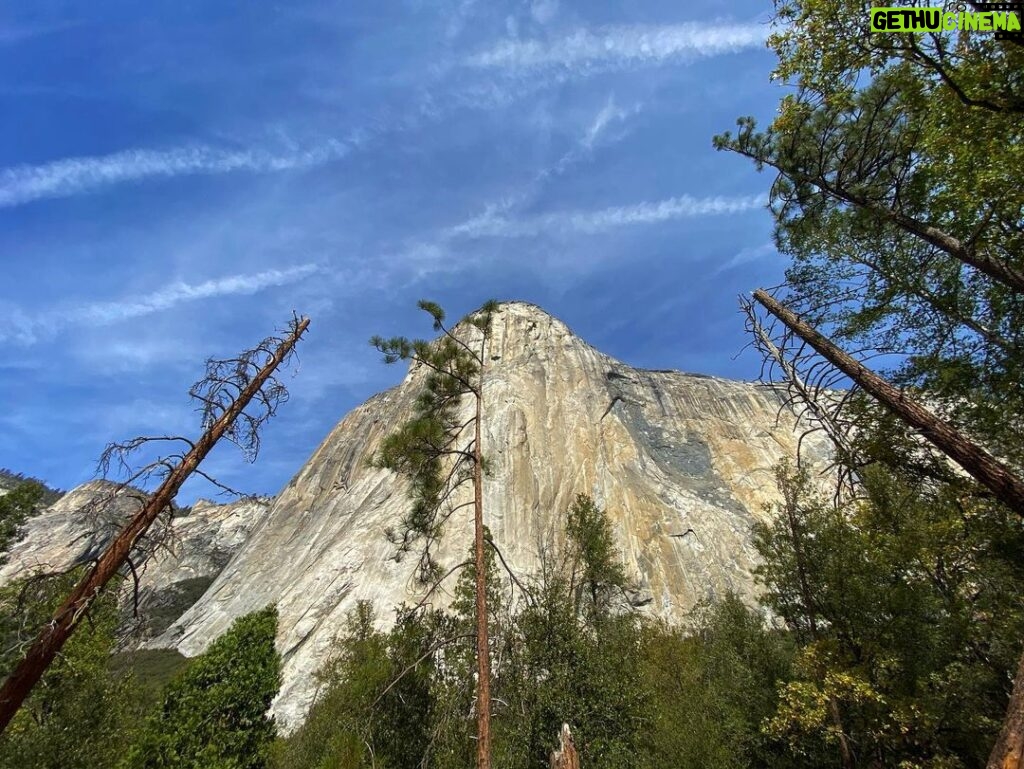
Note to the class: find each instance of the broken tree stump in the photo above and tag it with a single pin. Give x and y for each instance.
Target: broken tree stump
(565, 757)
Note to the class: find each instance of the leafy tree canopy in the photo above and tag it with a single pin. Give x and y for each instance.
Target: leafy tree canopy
(214, 715)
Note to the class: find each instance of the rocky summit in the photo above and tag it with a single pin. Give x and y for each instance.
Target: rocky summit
(663, 452)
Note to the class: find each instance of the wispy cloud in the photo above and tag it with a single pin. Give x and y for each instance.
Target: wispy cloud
(609, 114)
(543, 11)
(11, 34)
(598, 132)
(763, 252)
(622, 46)
(27, 329)
(494, 224)
(72, 176)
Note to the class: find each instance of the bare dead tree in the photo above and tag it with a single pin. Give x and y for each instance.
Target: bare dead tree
(975, 460)
(237, 396)
(812, 392)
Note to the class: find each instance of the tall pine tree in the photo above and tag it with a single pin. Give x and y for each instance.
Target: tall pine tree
(440, 451)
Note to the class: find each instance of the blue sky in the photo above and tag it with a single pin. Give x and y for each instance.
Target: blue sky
(177, 177)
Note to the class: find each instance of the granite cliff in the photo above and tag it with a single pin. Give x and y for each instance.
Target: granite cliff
(661, 451)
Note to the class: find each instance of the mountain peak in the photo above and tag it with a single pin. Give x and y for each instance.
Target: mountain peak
(663, 453)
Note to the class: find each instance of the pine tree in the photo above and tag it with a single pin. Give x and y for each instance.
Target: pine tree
(16, 506)
(433, 450)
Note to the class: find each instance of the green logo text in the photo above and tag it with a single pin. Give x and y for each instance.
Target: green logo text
(940, 20)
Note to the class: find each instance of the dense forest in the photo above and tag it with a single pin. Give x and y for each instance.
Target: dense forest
(891, 624)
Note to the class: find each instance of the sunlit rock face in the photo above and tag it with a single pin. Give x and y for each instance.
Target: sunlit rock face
(179, 572)
(661, 451)
(72, 531)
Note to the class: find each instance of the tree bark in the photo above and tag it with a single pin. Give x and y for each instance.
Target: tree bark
(997, 269)
(1008, 752)
(982, 466)
(565, 756)
(52, 638)
(483, 652)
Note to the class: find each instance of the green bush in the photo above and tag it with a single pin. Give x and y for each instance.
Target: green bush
(214, 715)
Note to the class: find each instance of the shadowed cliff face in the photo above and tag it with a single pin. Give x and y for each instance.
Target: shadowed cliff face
(661, 451)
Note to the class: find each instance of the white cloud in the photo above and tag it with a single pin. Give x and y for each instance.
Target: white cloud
(748, 255)
(27, 329)
(622, 46)
(177, 293)
(493, 224)
(543, 11)
(71, 176)
(609, 114)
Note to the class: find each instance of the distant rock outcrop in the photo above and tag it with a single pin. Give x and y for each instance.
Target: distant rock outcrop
(71, 531)
(176, 563)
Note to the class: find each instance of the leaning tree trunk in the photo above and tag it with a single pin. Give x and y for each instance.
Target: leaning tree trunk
(1008, 752)
(986, 469)
(52, 638)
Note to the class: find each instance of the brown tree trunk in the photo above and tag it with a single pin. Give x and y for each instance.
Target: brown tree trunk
(483, 652)
(1008, 752)
(50, 640)
(986, 469)
(997, 269)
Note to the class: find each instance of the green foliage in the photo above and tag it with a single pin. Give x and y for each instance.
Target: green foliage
(405, 698)
(375, 699)
(581, 669)
(79, 714)
(595, 563)
(16, 505)
(899, 171)
(9, 479)
(898, 194)
(347, 686)
(571, 655)
(151, 670)
(214, 716)
(430, 449)
(713, 685)
(907, 607)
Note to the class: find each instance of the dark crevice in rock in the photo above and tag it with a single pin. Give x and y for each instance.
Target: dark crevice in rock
(616, 399)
